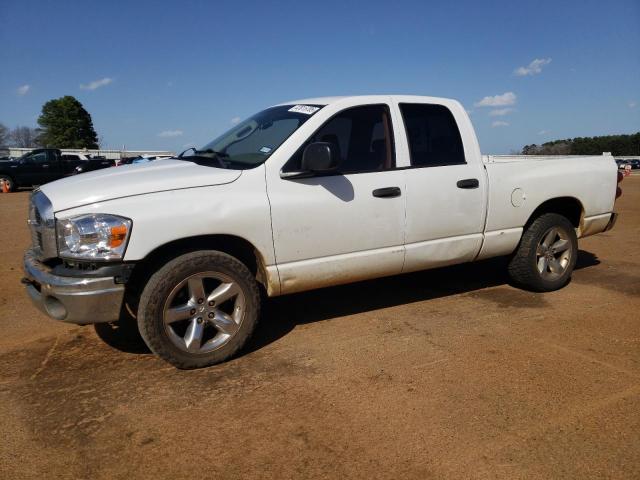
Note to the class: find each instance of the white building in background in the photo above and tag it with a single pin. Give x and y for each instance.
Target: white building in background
(110, 154)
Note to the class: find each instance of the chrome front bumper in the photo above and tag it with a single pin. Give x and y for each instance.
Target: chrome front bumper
(79, 300)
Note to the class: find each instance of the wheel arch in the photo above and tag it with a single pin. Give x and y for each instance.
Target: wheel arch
(569, 207)
(233, 245)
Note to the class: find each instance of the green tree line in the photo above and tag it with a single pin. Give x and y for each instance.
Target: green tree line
(618, 145)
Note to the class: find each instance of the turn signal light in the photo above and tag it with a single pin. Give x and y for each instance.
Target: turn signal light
(118, 236)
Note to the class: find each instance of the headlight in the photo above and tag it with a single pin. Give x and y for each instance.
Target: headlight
(93, 237)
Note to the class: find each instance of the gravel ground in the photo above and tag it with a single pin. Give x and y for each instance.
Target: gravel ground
(450, 373)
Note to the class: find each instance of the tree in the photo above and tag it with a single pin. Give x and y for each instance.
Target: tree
(24, 137)
(65, 123)
(620, 145)
(4, 135)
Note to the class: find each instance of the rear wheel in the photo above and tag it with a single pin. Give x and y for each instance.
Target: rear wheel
(199, 309)
(546, 255)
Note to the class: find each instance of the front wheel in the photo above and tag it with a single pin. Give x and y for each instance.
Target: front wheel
(199, 309)
(6, 182)
(546, 255)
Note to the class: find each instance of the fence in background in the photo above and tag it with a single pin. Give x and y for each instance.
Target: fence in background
(110, 154)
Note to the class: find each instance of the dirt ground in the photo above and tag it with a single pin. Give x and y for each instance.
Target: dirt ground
(443, 374)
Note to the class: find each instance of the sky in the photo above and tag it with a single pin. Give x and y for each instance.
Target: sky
(171, 74)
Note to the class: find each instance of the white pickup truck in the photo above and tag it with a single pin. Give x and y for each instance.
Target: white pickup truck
(302, 195)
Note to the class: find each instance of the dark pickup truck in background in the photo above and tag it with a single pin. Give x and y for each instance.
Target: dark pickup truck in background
(45, 165)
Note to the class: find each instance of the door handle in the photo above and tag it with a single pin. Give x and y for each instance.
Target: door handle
(468, 183)
(387, 192)
(45, 166)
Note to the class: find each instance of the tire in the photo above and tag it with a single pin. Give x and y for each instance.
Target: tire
(544, 261)
(199, 309)
(9, 181)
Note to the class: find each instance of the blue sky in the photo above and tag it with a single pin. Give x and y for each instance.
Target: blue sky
(165, 74)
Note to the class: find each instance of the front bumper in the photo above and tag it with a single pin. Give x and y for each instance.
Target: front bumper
(79, 300)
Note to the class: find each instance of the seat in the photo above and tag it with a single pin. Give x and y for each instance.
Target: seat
(382, 160)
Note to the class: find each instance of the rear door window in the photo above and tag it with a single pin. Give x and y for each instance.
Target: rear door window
(433, 135)
(38, 158)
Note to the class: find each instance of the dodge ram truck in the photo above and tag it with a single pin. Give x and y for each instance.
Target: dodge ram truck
(302, 195)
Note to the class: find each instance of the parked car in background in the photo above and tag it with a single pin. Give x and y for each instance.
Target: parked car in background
(89, 163)
(150, 158)
(621, 163)
(303, 195)
(126, 160)
(44, 165)
(635, 163)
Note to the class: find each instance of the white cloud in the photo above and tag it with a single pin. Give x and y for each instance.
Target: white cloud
(632, 103)
(500, 112)
(544, 132)
(235, 120)
(23, 89)
(534, 68)
(103, 82)
(171, 133)
(499, 123)
(508, 98)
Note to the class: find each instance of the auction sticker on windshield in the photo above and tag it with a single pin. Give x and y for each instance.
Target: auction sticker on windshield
(306, 109)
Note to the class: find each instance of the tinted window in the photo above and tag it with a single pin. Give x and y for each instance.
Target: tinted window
(362, 138)
(40, 157)
(433, 135)
(70, 158)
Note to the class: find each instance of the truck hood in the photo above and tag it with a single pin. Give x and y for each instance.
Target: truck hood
(130, 180)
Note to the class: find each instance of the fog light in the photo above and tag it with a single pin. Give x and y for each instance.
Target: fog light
(55, 308)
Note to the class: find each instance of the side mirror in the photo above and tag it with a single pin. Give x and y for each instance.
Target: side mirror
(319, 157)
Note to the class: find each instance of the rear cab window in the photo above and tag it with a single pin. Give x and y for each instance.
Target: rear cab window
(433, 135)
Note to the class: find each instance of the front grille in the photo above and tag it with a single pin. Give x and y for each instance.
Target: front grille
(42, 226)
(34, 225)
(36, 238)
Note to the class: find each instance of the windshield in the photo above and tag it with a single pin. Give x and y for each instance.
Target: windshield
(251, 142)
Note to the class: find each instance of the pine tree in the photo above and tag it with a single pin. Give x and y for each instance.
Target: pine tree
(64, 123)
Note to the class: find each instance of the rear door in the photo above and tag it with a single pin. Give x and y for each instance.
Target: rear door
(446, 187)
(69, 162)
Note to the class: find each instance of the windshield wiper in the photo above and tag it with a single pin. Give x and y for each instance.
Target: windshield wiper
(185, 151)
(209, 155)
(209, 150)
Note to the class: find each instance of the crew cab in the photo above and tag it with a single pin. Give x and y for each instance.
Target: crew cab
(44, 165)
(302, 195)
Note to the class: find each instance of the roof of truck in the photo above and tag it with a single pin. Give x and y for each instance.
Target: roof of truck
(328, 100)
(315, 101)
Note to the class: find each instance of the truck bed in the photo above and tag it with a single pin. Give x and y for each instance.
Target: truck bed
(536, 158)
(519, 184)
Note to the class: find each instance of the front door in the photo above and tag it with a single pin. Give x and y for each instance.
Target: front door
(38, 168)
(348, 225)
